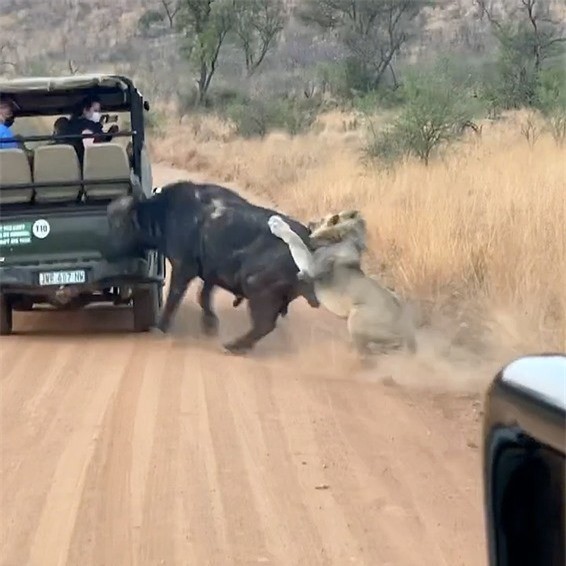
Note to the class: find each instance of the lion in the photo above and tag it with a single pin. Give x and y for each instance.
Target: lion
(375, 315)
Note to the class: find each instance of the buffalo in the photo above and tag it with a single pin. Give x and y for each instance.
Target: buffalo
(211, 232)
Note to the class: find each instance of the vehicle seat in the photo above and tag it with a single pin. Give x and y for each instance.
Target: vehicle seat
(56, 163)
(15, 170)
(106, 161)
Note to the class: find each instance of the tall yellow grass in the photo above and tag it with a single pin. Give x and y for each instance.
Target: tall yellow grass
(478, 236)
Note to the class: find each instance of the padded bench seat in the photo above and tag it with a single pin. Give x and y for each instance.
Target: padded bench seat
(106, 161)
(15, 170)
(56, 163)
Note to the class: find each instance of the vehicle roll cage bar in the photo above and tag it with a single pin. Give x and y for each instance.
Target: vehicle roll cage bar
(80, 182)
(20, 139)
(134, 104)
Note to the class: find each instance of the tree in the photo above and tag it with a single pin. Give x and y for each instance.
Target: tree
(171, 9)
(528, 37)
(258, 24)
(149, 19)
(204, 25)
(372, 31)
(551, 102)
(437, 111)
(5, 60)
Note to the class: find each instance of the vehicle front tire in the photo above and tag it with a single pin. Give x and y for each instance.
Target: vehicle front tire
(6, 315)
(146, 307)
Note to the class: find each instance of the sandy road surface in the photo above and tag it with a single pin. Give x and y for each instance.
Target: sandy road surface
(122, 449)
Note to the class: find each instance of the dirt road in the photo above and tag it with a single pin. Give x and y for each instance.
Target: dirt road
(122, 449)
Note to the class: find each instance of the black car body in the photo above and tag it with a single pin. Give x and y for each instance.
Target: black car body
(524, 461)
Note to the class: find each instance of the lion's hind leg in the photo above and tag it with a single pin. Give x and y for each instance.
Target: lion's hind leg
(369, 334)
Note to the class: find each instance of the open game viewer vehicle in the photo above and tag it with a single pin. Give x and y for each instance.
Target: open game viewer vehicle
(524, 447)
(55, 248)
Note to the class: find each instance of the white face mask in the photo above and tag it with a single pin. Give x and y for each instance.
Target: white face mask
(95, 117)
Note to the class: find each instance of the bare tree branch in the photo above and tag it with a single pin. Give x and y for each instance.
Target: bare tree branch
(373, 31)
(258, 24)
(205, 25)
(4, 56)
(171, 8)
(73, 67)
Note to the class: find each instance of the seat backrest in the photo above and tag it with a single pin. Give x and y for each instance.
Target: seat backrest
(15, 170)
(106, 161)
(56, 163)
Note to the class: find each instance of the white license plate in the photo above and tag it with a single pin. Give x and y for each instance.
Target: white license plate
(62, 277)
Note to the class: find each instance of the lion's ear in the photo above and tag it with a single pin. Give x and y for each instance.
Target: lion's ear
(334, 220)
(352, 214)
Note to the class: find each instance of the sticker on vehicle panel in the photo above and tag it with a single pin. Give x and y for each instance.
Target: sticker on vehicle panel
(41, 228)
(15, 234)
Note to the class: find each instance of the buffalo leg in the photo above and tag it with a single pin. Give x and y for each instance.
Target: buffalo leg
(283, 312)
(181, 276)
(209, 318)
(263, 313)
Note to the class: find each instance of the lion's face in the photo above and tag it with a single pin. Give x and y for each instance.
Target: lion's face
(334, 227)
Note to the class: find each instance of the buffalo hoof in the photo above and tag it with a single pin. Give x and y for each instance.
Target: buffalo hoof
(163, 326)
(209, 324)
(157, 332)
(236, 349)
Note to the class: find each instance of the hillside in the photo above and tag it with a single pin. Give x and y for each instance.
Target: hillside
(52, 37)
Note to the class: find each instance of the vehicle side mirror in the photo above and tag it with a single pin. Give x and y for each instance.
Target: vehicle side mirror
(524, 462)
(146, 105)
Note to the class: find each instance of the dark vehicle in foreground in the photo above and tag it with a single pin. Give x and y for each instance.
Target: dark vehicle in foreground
(55, 247)
(524, 440)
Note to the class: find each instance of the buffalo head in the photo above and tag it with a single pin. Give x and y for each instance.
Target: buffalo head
(124, 237)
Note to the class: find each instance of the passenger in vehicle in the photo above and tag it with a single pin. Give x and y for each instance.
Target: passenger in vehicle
(60, 128)
(87, 121)
(6, 121)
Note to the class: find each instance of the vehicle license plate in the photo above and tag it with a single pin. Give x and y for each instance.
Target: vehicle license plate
(62, 277)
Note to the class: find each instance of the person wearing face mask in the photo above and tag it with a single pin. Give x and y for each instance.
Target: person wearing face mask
(6, 121)
(87, 121)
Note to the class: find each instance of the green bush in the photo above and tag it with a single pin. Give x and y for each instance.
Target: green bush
(551, 101)
(256, 117)
(435, 113)
(385, 98)
(155, 122)
(148, 19)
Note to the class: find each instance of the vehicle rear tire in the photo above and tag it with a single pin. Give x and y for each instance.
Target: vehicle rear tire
(146, 307)
(6, 315)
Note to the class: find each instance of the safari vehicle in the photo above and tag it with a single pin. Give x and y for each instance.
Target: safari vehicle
(524, 440)
(55, 249)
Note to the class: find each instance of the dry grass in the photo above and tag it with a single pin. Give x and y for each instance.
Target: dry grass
(478, 237)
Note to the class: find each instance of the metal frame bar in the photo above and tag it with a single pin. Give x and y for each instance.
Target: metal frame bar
(21, 139)
(80, 182)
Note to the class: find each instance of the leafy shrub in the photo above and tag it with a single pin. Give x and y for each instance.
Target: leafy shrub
(155, 122)
(551, 101)
(148, 20)
(258, 116)
(435, 113)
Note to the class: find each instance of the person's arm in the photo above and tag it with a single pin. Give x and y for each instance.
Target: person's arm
(107, 137)
(87, 141)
